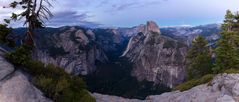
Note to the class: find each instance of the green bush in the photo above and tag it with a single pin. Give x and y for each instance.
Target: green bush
(57, 84)
(194, 82)
(231, 71)
(52, 80)
(46, 84)
(86, 97)
(4, 33)
(20, 56)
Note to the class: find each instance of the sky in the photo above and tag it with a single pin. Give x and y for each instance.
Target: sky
(128, 13)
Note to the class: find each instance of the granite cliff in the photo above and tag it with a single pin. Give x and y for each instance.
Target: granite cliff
(156, 57)
(72, 48)
(78, 49)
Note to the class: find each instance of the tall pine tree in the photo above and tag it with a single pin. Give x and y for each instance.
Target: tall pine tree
(199, 59)
(227, 52)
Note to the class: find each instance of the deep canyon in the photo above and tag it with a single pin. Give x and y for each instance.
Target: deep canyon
(127, 62)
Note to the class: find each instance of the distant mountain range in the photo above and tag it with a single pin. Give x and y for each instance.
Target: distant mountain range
(187, 34)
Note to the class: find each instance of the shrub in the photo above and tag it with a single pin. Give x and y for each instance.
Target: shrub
(231, 71)
(4, 33)
(57, 84)
(73, 96)
(46, 84)
(21, 56)
(194, 82)
(86, 97)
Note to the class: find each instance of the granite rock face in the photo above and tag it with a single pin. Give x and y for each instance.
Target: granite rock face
(155, 57)
(223, 88)
(18, 89)
(77, 49)
(112, 41)
(71, 48)
(15, 86)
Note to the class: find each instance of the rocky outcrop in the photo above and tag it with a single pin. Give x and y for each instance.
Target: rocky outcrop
(108, 98)
(155, 57)
(5, 68)
(152, 26)
(15, 86)
(73, 48)
(223, 88)
(77, 49)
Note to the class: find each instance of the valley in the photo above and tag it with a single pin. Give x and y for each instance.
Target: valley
(119, 51)
(121, 61)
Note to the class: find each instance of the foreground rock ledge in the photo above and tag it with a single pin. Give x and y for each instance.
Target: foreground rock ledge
(223, 88)
(15, 86)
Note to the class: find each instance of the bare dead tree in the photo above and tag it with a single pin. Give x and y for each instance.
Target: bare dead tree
(34, 13)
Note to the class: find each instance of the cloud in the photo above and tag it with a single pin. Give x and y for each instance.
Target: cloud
(80, 12)
(126, 13)
(71, 18)
(120, 6)
(124, 6)
(70, 15)
(102, 3)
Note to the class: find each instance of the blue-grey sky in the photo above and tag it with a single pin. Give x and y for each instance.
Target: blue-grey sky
(128, 13)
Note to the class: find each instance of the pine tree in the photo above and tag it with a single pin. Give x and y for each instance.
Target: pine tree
(4, 35)
(4, 31)
(237, 22)
(199, 59)
(227, 56)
